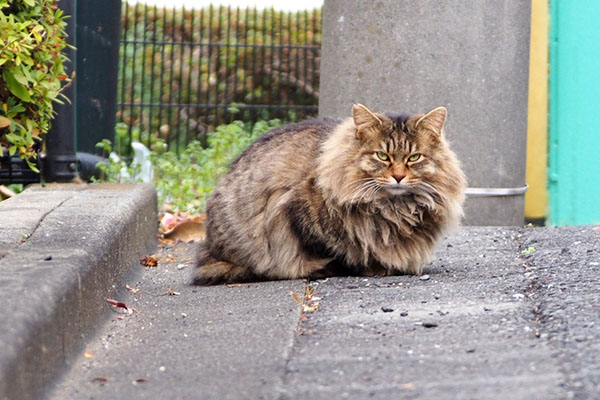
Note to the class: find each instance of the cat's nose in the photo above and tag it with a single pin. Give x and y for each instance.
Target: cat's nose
(398, 177)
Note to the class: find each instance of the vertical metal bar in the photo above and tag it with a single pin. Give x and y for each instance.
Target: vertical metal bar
(180, 81)
(133, 82)
(264, 76)
(171, 68)
(151, 128)
(227, 50)
(297, 49)
(190, 67)
(274, 81)
(143, 66)
(306, 50)
(208, 68)
(60, 163)
(290, 95)
(313, 75)
(124, 60)
(162, 71)
(255, 76)
(198, 97)
(218, 67)
(235, 56)
(282, 84)
(245, 69)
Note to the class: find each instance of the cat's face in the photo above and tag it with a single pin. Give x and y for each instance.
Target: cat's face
(398, 155)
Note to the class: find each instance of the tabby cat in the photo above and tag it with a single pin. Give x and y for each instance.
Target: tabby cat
(369, 195)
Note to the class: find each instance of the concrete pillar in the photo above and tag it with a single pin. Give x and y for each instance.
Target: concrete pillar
(470, 56)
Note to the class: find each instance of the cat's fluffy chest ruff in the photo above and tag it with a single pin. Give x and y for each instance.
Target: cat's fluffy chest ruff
(373, 193)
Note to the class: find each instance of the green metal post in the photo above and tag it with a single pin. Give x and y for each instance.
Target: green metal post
(574, 162)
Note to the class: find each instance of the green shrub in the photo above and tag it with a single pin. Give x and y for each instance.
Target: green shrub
(186, 180)
(32, 37)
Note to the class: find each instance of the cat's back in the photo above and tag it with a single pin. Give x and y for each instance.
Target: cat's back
(284, 154)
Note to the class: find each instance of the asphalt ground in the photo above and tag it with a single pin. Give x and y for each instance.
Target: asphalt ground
(502, 313)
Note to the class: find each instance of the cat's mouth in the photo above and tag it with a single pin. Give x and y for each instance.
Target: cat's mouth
(397, 189)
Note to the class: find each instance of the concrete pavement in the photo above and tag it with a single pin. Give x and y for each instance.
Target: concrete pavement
(474, 328)
(501, 313)
(63, 250)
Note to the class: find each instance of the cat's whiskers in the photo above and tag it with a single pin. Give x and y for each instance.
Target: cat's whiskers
(363, 188)
(370, 193)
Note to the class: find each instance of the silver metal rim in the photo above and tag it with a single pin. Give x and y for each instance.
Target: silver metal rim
(496, 192)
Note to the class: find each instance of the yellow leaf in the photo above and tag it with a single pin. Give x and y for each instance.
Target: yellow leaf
(296, 297)
(87, 354)
(4, 122)
(307, 308)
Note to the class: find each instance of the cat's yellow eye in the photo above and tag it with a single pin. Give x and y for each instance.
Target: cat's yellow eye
(414, 157)
(383, 156)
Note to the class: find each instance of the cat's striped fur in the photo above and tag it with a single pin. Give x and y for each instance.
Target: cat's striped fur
(321, 197)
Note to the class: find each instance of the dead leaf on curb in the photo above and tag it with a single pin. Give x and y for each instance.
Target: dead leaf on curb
(120, 305)
(149, 261)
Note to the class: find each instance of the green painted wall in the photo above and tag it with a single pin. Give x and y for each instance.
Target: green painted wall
(574, 162)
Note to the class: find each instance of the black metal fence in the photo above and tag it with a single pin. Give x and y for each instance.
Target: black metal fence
(182, 72)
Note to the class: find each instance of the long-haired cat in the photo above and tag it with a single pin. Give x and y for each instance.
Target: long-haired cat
(369, 195)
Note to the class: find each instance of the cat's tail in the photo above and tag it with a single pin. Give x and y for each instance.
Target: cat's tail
(211, 271)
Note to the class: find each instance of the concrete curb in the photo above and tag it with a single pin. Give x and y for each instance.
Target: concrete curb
(64, 249)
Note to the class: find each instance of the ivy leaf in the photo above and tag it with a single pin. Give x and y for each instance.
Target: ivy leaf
(15, 87)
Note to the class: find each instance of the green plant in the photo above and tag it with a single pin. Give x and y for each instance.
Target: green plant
(32, 37)
(186, 180)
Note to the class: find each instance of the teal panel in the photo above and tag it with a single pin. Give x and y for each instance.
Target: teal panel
(574, 162)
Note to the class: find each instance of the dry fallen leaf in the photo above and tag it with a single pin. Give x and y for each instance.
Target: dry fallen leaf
(149, 261)
(296, 297)
(119, 304)
(132, 290)
(6, 193)
(171, 292)
(186, 231)
(304, 302)
(87, 354)
(311, 308)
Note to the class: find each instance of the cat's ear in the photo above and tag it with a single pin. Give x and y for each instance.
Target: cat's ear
(433, 121)
(364, 120)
